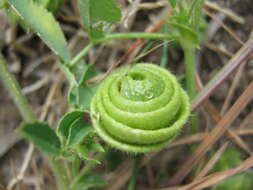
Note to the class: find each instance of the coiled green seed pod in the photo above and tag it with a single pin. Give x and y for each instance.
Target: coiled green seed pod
(140, 108)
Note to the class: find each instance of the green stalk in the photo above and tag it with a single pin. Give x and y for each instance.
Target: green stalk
(80, 55)
(136, 168)
(190, 65)
(60, 174)
(28, 115)
(164, 59)
(120, 36)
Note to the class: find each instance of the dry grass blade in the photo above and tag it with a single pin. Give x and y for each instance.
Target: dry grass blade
(242, 55)
(215, 116)
(232, 33)
(212, 162)
(200, 136)
(216, 133)
(221, 176)
(244, 131)
(218, 50)
(214, 178)
(227, 12)
(248, 120)
(155, 5)
(234, 137)
(189, 139)
(232, 89)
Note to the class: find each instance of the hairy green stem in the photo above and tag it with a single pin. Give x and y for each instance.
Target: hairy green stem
(62, 180)
(190, 71)
(28, 115)
(136, 168)
(190, 65)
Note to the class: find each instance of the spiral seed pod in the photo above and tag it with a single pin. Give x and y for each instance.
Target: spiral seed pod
(140, 108)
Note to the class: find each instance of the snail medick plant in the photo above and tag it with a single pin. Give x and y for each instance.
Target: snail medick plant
(137, 109)
(140, 108)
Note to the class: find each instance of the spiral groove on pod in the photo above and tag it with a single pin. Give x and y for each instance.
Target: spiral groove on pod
(140, 108)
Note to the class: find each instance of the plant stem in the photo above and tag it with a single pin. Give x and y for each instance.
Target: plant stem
(80, 55)
(15, 92)
(190, 71)
(190, 65)
(28, 115)
(59, 173)
(135, 35)
(164, 59)
(120, 36)
(136, 168)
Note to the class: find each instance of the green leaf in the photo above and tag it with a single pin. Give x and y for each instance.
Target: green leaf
(44, 24)
(65, 123)
(54, 5)
(76, 164)
(89, 180)
(2, 3)
(95, 12)
(97, 32)
(78, 131)
(195, 14)
(81, 95)
(99, 10)
(84, 6)
(41, 136)
(104, 10)
(51, 5)
(12, 16)
(187, 35)
(95, 146)
(85, 95)
(173, 3)
(83, 152)
(79, 70)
